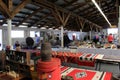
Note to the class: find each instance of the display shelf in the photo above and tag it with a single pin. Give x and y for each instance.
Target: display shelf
(18, 62)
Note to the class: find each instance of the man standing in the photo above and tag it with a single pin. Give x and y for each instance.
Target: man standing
(110, 38)
(66, 40)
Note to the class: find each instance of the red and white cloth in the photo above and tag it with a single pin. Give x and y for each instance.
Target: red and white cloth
(84, 59)
(83, 74)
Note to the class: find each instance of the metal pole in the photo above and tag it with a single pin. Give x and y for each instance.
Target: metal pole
(9, 32)
(62, 42)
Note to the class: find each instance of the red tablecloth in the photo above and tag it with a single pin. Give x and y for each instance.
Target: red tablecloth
(83, 74)
(84, 59)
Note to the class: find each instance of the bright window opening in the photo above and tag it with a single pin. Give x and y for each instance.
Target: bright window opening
(17, 34)
(112, 30)
(32, 33)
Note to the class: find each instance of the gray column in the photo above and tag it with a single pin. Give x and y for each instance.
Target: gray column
(90, 35)
(81, 37)
(119, 25)
(9, 28)
(62, 42)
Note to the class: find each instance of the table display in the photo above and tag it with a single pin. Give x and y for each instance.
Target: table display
(69, 73)
(108, 59)
(18, 61)
(84, 59)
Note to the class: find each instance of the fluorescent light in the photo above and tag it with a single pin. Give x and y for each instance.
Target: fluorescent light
(43, 28)
(50, 28)
(1, 20)
(56, 29)
(101, 12)
(22, 26)
(33, 27)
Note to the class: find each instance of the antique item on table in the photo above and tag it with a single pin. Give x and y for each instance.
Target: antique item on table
(46, 52)
(70, 73)
(48, 68)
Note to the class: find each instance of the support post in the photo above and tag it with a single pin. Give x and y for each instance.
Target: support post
(62, 42)
(81, 37)
(119, 25)
(90, 34)
(91, 27)
(9, 28)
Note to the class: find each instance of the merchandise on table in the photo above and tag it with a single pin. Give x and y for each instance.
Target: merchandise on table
(83, 74)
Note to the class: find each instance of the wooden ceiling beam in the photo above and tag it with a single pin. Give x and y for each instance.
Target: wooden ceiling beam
(82, 23)
(53, 12)
(26, 13)
(19, 7)
(59, 15)
(62, 17)
(10, 5)
(19, 16)
(26, 7)
(78, 23)
(3, 13)
(79, 6)
(48, 23)
(37, 22)
(70, 3)
(56, 17)
(4, 9)
(29, 16)
(52, 6)
(95, 12)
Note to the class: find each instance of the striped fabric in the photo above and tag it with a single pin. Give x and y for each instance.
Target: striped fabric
(83, 74)
(84, 59)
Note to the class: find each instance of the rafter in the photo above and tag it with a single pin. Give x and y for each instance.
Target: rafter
(98, 15)
(77, 7)
(37, 22)
(26, 13)
(10, 5)
(48, 23)
(25, 19)
(70, 3)
(19, 7)
(26, 7)
(55, 16)
(94, 11)
(4, 9)
(62, 17)
(51, 5)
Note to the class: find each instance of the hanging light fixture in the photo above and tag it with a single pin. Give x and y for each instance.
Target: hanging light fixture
(101, 12)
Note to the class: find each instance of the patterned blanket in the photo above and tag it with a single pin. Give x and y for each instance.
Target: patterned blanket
(84, 59)
(69, 73)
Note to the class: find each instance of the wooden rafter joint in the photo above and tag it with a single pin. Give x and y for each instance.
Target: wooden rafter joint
(19, 7)
(4, 9)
